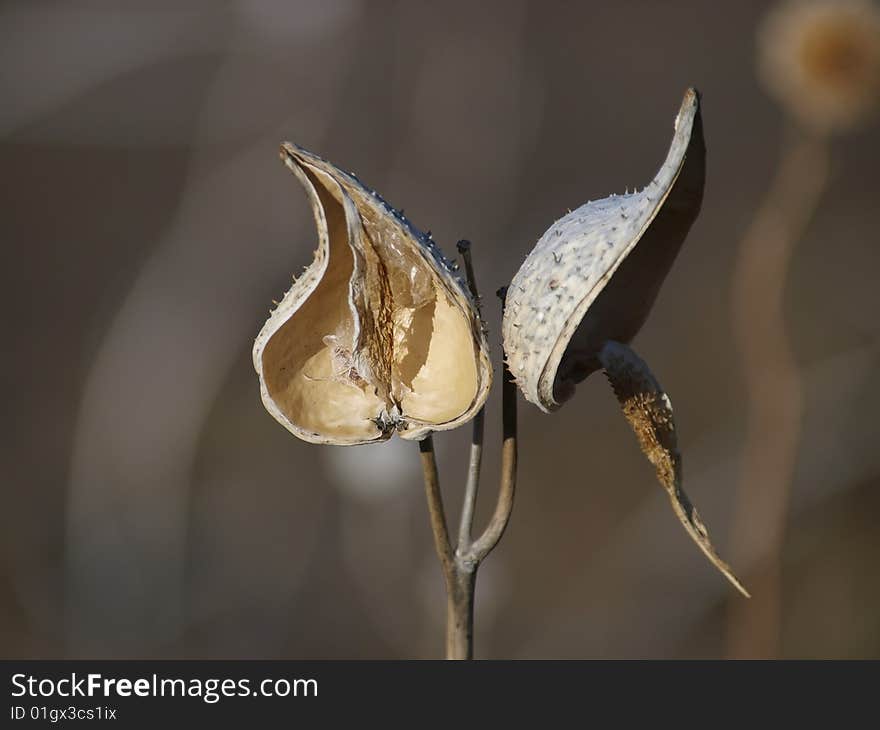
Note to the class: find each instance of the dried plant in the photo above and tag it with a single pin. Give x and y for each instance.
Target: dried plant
(587, 288)
(381, 336)
(377, 336)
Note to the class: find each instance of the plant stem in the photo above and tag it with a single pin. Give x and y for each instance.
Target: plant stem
(504, 506)
(460, 566)
(476, 453)
(460, 589)
(460, 613)
(435, 505)
(473, 483)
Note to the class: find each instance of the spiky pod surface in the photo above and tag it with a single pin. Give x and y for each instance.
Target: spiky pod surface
(594, 275)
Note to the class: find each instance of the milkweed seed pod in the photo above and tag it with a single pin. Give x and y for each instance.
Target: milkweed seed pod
(587, 288)
(594, 275)
(379, 334)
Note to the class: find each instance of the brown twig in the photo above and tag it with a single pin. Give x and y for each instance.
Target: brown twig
(504, 506)
(435, 503)
(459, 585)
(460, 567)
(476, 453)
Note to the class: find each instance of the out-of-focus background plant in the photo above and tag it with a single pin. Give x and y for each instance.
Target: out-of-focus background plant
(821, 59)
(152, 508)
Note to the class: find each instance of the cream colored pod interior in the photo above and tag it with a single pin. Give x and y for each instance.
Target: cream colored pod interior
(593, 277)
(378, 335)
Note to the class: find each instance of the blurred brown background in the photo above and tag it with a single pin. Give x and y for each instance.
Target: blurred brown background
(152, 508)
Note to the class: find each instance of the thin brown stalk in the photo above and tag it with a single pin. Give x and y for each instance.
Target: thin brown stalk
(774, 392)
(475, 459)
(504, 506)
(435, 504)
(472, 485)
(459, 587)
(460, 566)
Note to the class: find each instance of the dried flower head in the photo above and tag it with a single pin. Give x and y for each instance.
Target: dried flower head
(378, 335)
(821, 59)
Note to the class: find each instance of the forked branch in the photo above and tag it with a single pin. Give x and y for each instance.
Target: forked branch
(460, 566)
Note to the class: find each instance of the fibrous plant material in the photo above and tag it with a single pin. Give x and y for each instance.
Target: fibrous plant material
(648, 410)
(379, 335)
(585, 291)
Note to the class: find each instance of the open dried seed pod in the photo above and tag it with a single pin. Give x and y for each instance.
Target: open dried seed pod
(378, 335)
(585, 291)
(594, 275)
